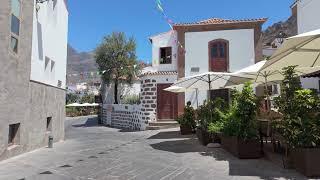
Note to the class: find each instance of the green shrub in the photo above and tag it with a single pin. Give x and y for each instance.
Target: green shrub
(300, 125)
(188, 118)
(131, 99)
(211, 112)
(72, 98)
(87, 98)
(240, 119)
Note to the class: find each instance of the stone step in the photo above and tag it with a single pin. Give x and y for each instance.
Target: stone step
(164, 123)
(159, 127)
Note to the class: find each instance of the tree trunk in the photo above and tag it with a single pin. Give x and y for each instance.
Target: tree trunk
(116, 92)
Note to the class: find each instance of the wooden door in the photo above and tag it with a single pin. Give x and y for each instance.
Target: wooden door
(167, 103)
(219, 56)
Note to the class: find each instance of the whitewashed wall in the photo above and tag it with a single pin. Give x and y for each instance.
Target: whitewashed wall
(124, 117)
(168, 39)
(310, 83)
(241, 53)
(308, 20)
(50, 34)
(308, 15)
(123, 90)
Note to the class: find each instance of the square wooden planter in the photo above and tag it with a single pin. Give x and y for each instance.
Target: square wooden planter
(307, 161)
(250, 149)
(186, 130)
(204, 137)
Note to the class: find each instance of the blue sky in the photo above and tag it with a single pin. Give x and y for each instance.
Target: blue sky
(90, 20)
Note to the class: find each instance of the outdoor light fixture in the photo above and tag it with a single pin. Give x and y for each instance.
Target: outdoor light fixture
(40, 2)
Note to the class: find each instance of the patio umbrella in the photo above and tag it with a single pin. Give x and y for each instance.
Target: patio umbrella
(260, 76)
(205, 81)
(210, 81)
(74, 105)
(177, 89)
(302, 50)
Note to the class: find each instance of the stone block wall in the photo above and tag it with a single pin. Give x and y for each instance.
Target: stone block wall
(148, 98)
(148, 95)
(124, 117)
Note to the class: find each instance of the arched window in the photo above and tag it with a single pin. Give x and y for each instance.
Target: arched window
(219, 55)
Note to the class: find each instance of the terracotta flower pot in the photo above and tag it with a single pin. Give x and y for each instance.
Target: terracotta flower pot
(249, 149)
(185, 130)
(307, 161)
(204, 137)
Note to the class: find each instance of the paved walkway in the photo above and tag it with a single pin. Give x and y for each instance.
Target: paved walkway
(93, 152)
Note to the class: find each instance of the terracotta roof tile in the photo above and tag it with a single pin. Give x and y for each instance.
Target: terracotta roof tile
(160, 73)
(223, 21)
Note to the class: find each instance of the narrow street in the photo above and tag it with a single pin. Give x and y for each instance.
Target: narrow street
(94, 152)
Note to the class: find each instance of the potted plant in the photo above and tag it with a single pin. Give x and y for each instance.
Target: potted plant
(300, 126)
(205, 117)
(187, 120)
(209, 113)
(239, 133)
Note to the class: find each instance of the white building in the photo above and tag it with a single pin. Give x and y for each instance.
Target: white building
(218, 45)
(49, 43)
(33, 43)
(308, 13)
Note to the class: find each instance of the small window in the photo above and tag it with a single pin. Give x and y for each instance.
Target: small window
(15, 25)
(49, 124)
(195, 69)
(14, 44)
(214, 51)
(47, 60)
(218, 50)
(59, 83)
(222, 50)
(52, 65)
(13, 134)
(166, 55)
(54, 4)
(15, 7)
(275, 89)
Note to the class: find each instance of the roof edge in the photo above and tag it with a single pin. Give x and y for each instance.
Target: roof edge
(201, 23)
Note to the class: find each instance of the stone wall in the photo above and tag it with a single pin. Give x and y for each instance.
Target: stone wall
(148, 98)
(149, 89)
(129, 117)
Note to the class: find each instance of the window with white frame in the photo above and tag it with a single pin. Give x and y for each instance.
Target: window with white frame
(15, 24)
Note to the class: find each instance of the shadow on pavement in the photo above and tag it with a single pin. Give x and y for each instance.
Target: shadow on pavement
(91, 122)
(170, 135)
(237, 167)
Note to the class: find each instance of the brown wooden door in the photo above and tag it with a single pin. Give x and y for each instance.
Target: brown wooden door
(167, 103)
(219, 56)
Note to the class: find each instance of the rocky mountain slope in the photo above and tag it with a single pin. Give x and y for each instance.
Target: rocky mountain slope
(81, 67)
(289, 27)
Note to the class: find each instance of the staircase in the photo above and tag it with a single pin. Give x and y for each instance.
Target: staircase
(163, 124)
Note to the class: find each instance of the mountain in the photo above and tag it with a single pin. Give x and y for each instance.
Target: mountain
(81, 67)
(289, 27)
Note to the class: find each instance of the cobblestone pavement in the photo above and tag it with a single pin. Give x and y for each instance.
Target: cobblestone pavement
(93, 152)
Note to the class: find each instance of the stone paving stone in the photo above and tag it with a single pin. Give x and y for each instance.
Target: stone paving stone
(148, 155)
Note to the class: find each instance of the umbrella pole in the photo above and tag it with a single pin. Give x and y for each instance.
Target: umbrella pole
(197, 98)
(267, 93)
